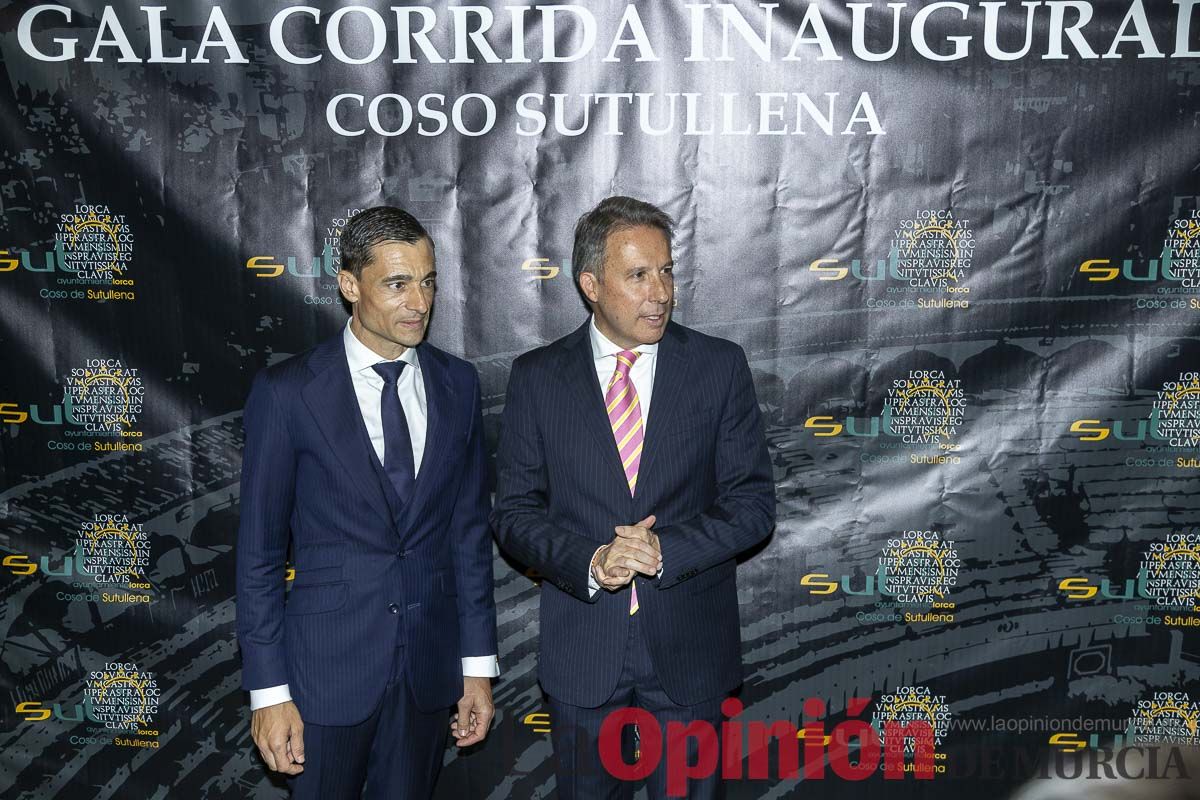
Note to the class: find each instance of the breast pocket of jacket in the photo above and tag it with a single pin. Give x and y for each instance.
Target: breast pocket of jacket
(319, 599)
(445, 581)
(443, 462)
(695, 423)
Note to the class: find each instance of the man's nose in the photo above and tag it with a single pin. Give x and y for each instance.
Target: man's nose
(660, 291)
(416, 300)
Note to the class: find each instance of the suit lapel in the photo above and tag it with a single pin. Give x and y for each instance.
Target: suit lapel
(580, 373)
(330, 397)
(670, 378)
(438, 403)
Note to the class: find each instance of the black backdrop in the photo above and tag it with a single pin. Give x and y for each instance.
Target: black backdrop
(966, 284)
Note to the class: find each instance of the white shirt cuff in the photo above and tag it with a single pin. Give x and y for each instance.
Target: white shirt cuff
(593, 586)
(481, 667)
(271, 696)
(472, 667)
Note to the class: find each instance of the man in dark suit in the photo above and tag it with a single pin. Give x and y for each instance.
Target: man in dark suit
(632, 470)
(366, 453)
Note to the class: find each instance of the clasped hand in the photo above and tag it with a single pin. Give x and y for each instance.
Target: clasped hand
(633, 550)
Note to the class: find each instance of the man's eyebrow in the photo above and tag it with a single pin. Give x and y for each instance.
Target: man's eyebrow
(636, 268)
(404, 276)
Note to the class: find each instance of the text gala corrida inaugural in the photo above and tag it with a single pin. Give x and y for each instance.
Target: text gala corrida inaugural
(1048, 30)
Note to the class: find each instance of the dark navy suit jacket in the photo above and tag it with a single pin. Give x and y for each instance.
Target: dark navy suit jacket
(706, 476)
(369, 572)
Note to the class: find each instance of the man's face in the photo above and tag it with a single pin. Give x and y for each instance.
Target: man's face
(632, 297)
(393, 297)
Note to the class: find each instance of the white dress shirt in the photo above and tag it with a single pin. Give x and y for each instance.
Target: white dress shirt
(368, 388)
(604, 353)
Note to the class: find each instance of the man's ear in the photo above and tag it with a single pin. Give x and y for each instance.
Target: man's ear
(589, 285)
(348, 285)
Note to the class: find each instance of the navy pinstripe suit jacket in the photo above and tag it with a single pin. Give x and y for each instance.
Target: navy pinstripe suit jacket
(368, 570)
(706, 476)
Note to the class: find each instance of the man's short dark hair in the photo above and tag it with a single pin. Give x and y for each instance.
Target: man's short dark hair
(372, 226)
(613, 214)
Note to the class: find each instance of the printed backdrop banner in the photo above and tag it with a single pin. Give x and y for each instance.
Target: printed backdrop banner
(958, 243)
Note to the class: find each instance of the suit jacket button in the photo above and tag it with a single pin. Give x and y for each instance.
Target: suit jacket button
(392, 607)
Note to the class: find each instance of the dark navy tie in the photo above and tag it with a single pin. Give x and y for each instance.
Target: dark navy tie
(397, 444)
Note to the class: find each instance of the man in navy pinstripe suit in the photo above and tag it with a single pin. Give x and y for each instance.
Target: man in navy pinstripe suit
(366, 453)
(632, 471)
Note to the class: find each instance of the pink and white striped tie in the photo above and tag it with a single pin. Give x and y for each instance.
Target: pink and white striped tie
(625, 417)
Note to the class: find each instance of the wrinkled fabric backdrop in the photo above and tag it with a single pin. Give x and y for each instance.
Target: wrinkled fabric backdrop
(966, 286)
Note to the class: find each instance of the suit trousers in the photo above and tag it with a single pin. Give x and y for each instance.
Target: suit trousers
(575, 732)
(394, 754)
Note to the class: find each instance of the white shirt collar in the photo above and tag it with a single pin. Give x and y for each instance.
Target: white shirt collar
(603, 346)
(361, 358)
